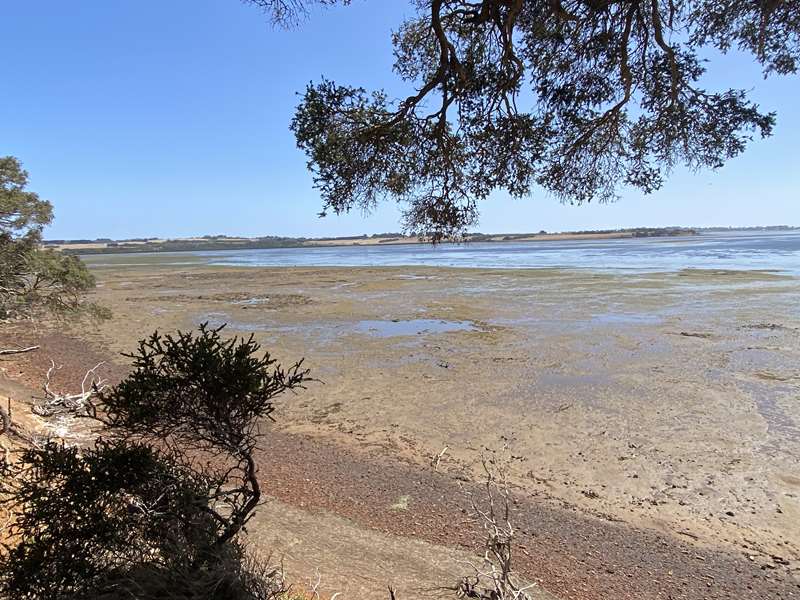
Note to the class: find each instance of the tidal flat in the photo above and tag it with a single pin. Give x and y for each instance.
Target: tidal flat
(667, 401)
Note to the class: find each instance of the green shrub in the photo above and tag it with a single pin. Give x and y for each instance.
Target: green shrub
(156, 505)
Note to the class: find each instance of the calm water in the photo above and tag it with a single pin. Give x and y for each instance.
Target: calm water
(734, 250)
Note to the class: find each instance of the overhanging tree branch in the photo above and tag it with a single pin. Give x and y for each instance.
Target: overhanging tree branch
(613, 100)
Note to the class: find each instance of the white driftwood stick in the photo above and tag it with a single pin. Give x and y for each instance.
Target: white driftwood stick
(20, 351)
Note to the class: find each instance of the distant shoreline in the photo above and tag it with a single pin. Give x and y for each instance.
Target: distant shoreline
(107, 246)
(223, 243)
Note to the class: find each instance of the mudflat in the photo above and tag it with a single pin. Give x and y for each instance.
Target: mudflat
(667, 402)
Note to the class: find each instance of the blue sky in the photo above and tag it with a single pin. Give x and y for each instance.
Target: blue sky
(170, 118)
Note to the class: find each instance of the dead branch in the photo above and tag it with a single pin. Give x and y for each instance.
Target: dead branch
(494, 578)
(63, 408)
(56, 403)
(18, 351)
(314, 587)
(438, 458)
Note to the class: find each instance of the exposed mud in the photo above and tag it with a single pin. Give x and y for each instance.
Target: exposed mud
(666, 403)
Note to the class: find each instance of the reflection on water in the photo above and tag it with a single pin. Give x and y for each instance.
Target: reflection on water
(778, 251)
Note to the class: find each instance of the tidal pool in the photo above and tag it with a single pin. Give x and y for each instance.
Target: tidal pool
(397, 327)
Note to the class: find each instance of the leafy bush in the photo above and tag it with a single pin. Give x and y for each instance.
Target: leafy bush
(157, 503)
(34, 280)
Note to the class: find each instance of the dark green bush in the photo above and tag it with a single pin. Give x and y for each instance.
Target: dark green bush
(155, 506)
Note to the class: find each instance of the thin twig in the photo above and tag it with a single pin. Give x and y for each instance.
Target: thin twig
(438, 458)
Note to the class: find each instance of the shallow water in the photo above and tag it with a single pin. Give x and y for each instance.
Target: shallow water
(396, 328)
(626, 319)
(778, 251)
(328, 330)
(780, 424)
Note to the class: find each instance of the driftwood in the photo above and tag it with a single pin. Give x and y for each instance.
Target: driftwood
(56, 403)
(18, 350)
(438, 458)
(61, 409)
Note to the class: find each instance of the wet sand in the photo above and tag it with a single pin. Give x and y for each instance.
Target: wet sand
(665, 402)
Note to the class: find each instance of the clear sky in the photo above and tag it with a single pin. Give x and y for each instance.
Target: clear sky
(170, 118)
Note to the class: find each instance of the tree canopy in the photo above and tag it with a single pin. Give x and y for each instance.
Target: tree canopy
(34, 280)
(22, 212)
(578, 97)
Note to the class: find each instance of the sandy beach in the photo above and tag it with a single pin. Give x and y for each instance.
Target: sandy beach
(660, 406)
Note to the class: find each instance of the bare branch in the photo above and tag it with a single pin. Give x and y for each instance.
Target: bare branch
(18, 351)
(494, 578)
